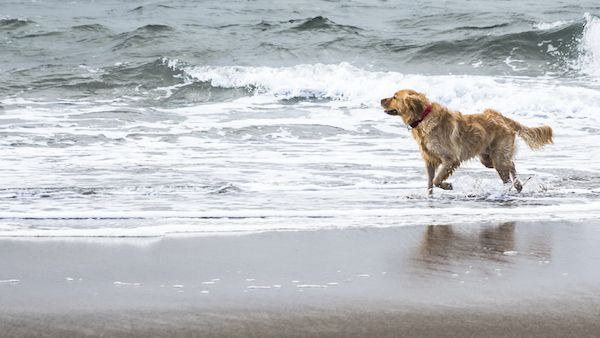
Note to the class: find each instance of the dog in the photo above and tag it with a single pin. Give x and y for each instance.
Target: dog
(447, 138)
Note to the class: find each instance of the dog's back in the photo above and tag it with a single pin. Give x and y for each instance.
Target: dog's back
(499, 126)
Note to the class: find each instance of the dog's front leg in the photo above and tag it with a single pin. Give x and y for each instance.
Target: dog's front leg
(445, 170)
(430, 167)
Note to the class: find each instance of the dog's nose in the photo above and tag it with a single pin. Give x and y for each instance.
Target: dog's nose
(383, 101)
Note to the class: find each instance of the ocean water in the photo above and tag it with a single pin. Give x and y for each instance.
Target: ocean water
(147, 118)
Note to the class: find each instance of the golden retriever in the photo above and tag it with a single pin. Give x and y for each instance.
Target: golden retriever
(447, 138)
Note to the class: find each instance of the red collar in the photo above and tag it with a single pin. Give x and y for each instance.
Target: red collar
(424, 114)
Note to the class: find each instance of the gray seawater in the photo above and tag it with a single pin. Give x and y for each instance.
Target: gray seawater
(143, 118)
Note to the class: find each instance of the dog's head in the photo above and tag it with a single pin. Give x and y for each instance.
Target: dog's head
(406, 103)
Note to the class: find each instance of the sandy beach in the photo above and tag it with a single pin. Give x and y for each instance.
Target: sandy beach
(505, 280)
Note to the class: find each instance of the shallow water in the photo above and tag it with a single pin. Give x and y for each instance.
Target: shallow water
(143, 119)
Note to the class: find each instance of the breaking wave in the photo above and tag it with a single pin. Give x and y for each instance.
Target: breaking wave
(588, 61)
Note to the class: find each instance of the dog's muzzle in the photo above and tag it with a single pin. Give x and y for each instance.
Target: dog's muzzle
(391, 111)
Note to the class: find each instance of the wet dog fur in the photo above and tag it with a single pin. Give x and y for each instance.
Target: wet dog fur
(447, 138)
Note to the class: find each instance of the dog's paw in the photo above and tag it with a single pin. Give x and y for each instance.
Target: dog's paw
(517, 184)
(445, 186)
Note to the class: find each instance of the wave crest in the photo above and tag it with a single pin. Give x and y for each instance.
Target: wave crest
(320, 23)
(588, 62)
(351, 87)
(332, 81)
(10, 23)
(144, 35)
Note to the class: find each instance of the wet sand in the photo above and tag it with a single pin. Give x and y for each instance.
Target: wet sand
(504, 280)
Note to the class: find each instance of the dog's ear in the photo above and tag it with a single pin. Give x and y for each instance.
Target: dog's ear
(415, 102)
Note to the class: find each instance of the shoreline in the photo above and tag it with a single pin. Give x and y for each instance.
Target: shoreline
(507, 279)
(165, 224)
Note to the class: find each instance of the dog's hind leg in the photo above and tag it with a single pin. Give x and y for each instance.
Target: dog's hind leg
(504, 172)
(513, 173)
(486, 160)
(502, 160)
(506, 169)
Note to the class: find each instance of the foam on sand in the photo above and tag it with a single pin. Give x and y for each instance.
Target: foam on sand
(250, 221)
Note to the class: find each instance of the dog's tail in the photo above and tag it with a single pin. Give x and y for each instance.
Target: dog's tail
(536, 137)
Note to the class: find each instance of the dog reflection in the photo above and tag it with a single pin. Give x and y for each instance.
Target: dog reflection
(441, 243)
